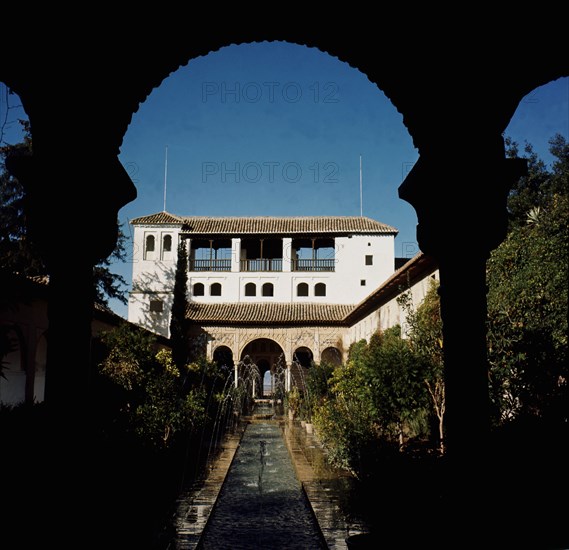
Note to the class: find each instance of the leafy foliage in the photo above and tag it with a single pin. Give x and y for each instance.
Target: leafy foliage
(374, 405)
(17, 253)
(527, 300)
(156, 402)
(425, 337)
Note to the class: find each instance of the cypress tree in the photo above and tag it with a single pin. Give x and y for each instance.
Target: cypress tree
(178, 332)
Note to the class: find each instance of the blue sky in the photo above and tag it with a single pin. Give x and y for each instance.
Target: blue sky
(276, 129)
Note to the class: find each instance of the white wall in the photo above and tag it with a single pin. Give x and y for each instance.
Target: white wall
(153, 276)
(390, 313)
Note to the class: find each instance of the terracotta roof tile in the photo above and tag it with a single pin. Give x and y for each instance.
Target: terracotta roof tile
(158, 219)
(202, 225)
(263, 313)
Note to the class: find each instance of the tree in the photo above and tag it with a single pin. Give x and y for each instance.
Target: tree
(527, 297)
(395, 377)
(530, 191)
(152, 400)
(178, 326)
(426, 340)
(17, 252)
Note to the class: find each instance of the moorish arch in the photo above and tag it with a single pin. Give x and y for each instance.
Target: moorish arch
(457, 94)
(332, 356)
(452, 84)
(267, 356)
(303, 356)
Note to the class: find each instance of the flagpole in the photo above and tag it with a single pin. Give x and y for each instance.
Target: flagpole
(361, 193)
(165, 177)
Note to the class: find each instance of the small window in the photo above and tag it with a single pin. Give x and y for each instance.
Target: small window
(268, 289)
(150, 243)
(156, 306)
(302, 289)
(320, 289)
(250, 289)
(369, 259)
(362, 282)
(215, 289)
(167, 243)
(199, 289)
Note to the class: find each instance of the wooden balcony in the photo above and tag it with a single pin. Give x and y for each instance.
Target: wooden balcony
(262, 264)
(210, 265)
(314, 265)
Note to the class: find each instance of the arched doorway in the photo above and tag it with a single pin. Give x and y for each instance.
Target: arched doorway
(223, 357)
(267, 357)
(302, 360)
(332, 356)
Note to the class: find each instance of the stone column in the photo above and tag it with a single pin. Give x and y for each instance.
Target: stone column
(95, 196)
(461, 210)
(236, 254)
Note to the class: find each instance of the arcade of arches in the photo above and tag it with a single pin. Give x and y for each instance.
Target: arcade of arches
(285, 356)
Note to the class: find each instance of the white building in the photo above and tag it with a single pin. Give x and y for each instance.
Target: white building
(297, 260)
(279, 291)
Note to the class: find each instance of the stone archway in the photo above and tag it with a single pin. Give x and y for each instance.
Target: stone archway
(267, 356)
(435, 94)
(223, 357)
(332, 356)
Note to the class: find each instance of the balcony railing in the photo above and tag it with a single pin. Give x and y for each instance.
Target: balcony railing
(210, 265)
(314, 265)
(262, 264)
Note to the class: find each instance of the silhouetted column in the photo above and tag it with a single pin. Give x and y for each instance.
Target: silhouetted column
(72, 216)
(461, 209)
(70, 312)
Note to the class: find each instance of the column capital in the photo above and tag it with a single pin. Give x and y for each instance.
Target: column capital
(89, 191)
(461, 202)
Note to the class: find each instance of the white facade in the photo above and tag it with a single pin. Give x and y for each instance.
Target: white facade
(331, 260)
(384, 309)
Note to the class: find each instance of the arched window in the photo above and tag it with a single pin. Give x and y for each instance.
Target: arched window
(167, 243)
(215, 289)
(320, 289)
(302, 289)
(268, 289)
(198, 289)
(150, 243)
(250, 289)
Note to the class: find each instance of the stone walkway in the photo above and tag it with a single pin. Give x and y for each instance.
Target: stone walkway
(323, 486)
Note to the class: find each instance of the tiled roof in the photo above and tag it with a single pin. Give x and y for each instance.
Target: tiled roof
(264, 313)
(158, 219)
(267, 225)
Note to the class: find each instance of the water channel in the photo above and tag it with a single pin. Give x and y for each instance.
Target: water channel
(254, 499)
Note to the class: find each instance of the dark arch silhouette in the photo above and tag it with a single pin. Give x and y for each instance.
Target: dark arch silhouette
(303, 356)
(223, 356)
(451, 184)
